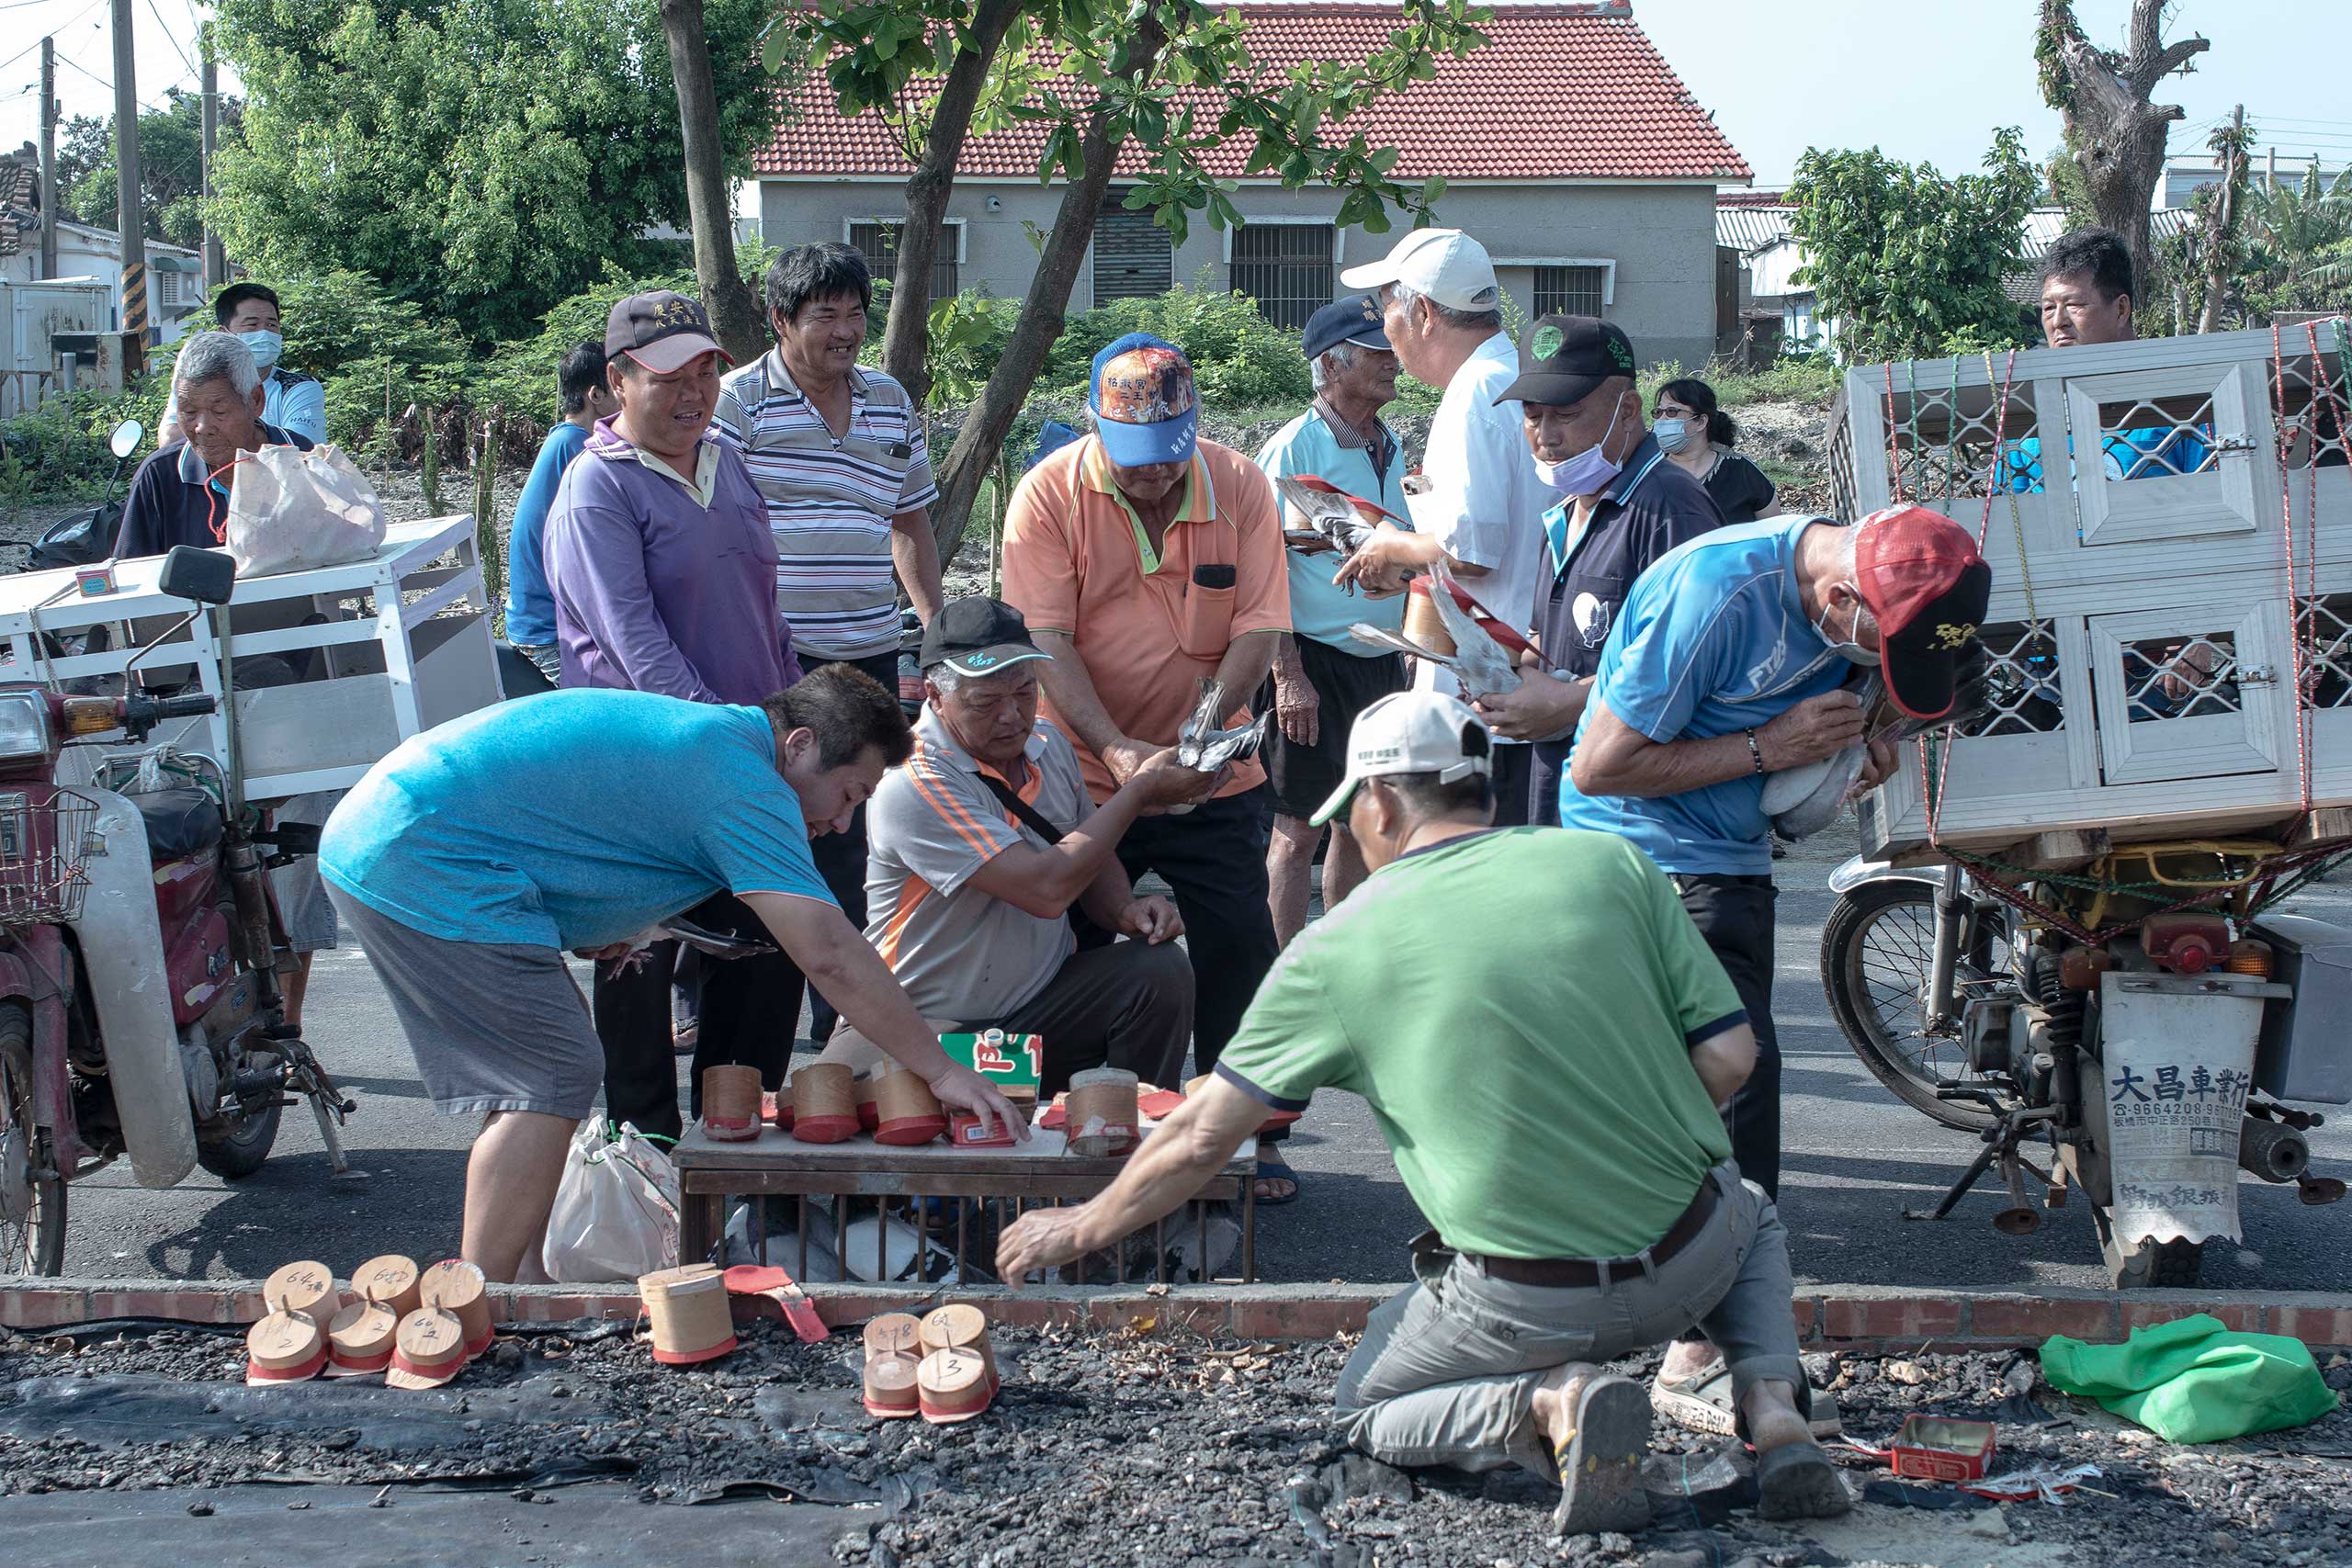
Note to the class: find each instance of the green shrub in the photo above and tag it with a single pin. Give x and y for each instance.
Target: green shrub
(60, 449)
(1238, 358)
(519, 378)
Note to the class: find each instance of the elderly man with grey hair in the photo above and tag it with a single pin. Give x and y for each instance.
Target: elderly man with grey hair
(1323, 675)
(180, 496)
(1482, 510)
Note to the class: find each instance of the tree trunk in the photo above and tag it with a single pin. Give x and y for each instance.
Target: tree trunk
(2220, 224)
(906, 338)
(735, 316)
(989, 421)
(2114, 134)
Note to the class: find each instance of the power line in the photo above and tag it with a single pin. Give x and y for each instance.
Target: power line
(169, 39)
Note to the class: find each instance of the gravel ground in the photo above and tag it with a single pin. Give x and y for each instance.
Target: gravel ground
(1127, 1448)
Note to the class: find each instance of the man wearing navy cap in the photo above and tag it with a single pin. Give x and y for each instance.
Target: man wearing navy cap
(1324, 675)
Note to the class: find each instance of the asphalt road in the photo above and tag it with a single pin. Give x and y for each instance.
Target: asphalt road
(1856, 1159)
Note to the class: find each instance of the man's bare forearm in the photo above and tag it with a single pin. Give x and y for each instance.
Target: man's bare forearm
(1175, 1162)
(914, 555)
(1108, 895)
(1243, 669)
(1072, 690)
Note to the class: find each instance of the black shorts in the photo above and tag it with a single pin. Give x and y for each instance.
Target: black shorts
(1302, 778)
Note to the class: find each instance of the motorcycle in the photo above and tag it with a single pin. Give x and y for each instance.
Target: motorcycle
(88, 539)
(2140, 1022)
(141, 1015)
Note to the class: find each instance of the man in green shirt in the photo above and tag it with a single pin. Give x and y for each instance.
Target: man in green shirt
(1551, 1104)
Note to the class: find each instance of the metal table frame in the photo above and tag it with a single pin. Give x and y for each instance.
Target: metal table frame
(1038, 1174)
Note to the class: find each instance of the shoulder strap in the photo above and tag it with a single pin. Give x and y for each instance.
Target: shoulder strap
(1031, 818)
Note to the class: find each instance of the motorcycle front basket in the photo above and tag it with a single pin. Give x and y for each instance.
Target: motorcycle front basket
(44, 844)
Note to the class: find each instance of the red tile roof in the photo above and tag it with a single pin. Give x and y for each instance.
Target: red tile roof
(1564, 91)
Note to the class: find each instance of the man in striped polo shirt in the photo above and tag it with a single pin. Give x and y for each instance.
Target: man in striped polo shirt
(837, 451)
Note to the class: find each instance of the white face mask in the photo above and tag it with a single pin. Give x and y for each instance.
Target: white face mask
(1587, 471)
(1673, 435)
(1848, 649)
(266, 347)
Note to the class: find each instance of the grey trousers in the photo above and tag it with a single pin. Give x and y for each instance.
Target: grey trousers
(1446, 1374)
(1123, 1005)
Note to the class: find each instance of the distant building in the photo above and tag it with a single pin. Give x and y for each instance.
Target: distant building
(2184, 178)
(1567, 146)
(176, 273)
(1757, 225)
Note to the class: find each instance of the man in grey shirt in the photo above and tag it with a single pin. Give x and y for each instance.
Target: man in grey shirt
(985, 847)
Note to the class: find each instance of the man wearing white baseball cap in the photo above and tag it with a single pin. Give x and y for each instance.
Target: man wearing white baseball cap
(1482, 508)
(1555, 1118)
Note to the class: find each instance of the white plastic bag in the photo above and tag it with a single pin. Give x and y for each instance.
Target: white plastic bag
(616, 1214)
(290, 509)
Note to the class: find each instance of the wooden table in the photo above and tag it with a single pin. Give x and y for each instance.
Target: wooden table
(1040, 1172)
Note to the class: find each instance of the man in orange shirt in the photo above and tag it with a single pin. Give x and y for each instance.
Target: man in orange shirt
(1146, 561)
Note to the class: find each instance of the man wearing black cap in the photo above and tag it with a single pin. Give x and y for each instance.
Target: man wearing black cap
(982, 843)
(1622, 505)
(1323, 675)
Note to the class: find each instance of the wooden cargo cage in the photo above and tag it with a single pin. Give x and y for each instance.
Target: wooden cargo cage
(2168, 648)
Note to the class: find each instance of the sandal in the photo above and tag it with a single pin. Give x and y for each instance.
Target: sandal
(1600, 1472)
(1703, 1404)
(1796, 1481)
(1272, 1169)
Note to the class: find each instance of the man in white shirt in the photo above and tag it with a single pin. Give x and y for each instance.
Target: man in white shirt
(1482, 510)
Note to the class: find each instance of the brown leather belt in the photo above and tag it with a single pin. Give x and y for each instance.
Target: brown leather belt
(1584, 1273)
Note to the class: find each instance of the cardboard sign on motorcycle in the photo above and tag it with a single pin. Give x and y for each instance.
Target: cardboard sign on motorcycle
(291, 510)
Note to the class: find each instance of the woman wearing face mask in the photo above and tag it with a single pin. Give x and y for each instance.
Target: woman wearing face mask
(291, 400)
(1696, 436)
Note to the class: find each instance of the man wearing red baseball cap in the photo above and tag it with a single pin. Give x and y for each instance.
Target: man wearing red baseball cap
(1731, 660)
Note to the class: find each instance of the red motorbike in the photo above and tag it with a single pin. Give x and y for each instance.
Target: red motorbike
(140, 1009)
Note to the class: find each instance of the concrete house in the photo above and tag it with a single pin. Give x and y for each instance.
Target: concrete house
(1756, 224)
(1568, 147)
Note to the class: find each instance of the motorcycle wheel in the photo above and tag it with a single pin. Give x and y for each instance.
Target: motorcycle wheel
(33, 1241)
(239, 1149)
(1875, 951)
(2151, 1265)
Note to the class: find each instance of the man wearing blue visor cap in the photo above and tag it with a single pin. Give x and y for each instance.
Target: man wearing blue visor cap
(1146, 561)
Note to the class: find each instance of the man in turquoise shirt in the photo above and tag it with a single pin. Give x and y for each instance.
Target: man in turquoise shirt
(530, 604)
(473, 855)
(1323, 676)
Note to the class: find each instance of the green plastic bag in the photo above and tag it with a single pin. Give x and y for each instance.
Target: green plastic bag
(2194, 1380)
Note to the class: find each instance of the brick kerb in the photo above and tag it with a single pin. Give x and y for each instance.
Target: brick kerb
(1859, 1318)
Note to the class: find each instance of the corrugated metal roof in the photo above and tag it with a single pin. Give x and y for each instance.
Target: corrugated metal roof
(1750, 229)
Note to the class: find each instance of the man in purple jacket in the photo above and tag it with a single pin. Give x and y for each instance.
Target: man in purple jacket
(663, 571)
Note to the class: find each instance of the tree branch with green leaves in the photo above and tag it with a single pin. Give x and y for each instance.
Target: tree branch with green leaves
(1176, 80)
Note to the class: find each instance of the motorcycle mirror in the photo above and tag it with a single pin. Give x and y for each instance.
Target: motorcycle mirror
(126, 438)
(209, 577)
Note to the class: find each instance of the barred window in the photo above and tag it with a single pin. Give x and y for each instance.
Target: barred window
(1568, 290)
(1134, 258)
(1285, 269)
(879, 241)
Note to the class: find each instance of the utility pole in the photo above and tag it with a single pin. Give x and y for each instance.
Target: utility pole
(216, 264)
(48, 157)
(129, 219)
(2270, 168)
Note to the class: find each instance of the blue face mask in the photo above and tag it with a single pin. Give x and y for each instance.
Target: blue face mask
(266, 347)
(1673, 435)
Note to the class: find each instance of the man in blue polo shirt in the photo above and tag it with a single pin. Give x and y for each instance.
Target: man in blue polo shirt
(1730, 661)
(180, 496)
(1323, 676)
